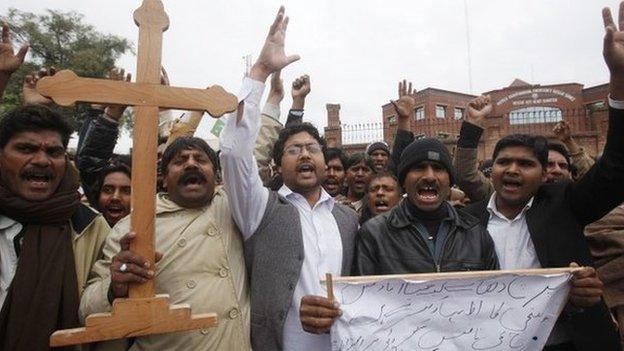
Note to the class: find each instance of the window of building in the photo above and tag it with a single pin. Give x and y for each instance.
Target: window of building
(459, 112)
(440, 111)
(535, 114)
(420, 113)
(595, 106)
(392, 119)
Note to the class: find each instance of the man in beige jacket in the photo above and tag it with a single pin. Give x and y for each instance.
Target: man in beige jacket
(200, 256)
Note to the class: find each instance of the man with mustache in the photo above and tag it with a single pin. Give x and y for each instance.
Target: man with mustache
(360, 169)
(335, 175)
(423, 233)
(200, 259)
(380, 153)
(295, 235)
(539, 225)
(384, 192)
(48, 240)
(114, 188)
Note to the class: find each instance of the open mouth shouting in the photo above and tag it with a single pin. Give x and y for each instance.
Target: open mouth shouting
(38, 179)
(428, 194)
(381, 205)
(511, 185)
(192, 179)
(306, 169)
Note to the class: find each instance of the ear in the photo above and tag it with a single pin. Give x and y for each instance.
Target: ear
(544, 172)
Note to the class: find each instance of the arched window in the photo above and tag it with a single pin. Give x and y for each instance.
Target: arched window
(535, 114)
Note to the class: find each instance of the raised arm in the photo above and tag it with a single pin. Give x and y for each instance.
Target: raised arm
(404, 108)
(578, 157)
(248, 198)
(299, 91)
(269, 127)
(9, 61)
(97, 140)
(600, 190)
(469, 179)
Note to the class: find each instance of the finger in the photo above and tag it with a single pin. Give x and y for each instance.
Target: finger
(409, 90)
(321, 301)
(317, 323)
(6, 34)
(125, 241)
(404, 88)
(121, 74)
(285, 23)
(127, 278)
(277, 21)
(585, 272)
(319, 312)
(591, 282)
(52, 71)
(165, 76)
(607, 18)
(21, 54)
(136, 267)
(128, 77)
(292, 58)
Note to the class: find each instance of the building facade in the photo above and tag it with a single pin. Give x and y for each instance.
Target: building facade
(519, 108)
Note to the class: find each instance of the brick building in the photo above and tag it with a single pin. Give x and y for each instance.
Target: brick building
(519, 108)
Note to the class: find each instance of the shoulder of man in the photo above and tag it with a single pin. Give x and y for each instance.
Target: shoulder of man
(83, 217)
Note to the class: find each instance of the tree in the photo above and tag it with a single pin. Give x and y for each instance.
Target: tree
(61, 40)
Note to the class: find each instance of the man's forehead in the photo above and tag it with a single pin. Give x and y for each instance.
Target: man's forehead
(300, 138)
(517, 152)
(554, 155)
(385, 180)
(191, 151)
(334, 162)
(49, 137)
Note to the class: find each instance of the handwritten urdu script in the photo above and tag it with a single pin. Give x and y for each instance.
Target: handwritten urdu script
(494, 312)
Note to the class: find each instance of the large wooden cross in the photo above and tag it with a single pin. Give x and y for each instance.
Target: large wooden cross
(143, 312)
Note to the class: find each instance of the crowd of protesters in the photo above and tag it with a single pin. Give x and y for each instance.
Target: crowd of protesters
(248, 232)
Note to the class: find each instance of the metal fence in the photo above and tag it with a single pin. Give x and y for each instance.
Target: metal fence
(581, 121)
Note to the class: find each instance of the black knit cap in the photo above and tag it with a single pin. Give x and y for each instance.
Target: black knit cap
(425, 149)
(378, 145)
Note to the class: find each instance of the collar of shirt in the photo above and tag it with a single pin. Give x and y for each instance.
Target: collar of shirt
(6, 223)
(287, 193)
(493, 210)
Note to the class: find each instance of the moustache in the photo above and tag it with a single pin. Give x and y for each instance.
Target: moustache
(191, 174)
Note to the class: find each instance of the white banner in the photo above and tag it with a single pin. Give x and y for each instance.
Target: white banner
(495, 311)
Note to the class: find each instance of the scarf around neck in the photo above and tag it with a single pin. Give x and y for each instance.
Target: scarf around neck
(43, 295)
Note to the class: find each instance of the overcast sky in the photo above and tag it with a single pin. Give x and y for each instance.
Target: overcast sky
(356, 51)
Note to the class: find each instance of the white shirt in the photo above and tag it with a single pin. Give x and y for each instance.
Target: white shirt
(512, 239)
(515, 250)
(8, 257)
(248, 201)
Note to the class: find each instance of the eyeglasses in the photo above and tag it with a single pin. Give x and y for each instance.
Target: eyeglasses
(297, 149)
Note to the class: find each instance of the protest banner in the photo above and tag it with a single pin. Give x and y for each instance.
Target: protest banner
(493, 310)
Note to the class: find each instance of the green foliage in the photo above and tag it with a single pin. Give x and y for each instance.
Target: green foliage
(61, 40)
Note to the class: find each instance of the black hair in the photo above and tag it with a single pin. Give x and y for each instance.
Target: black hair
(187, 143)
(384, 174)
(278, 147)
(359, 157)
(333, 153)
(537, 144)
(113, 167)
(33, 118)
(560, 148)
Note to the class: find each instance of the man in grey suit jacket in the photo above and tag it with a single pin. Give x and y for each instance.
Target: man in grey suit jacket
(292, 236)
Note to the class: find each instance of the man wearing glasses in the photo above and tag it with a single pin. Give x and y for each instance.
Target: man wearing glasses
(295, 235)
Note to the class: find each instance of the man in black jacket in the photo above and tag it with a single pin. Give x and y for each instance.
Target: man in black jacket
(424, 233)
(535, 225)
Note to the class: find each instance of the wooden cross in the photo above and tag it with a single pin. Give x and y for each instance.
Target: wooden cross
(142, 313)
